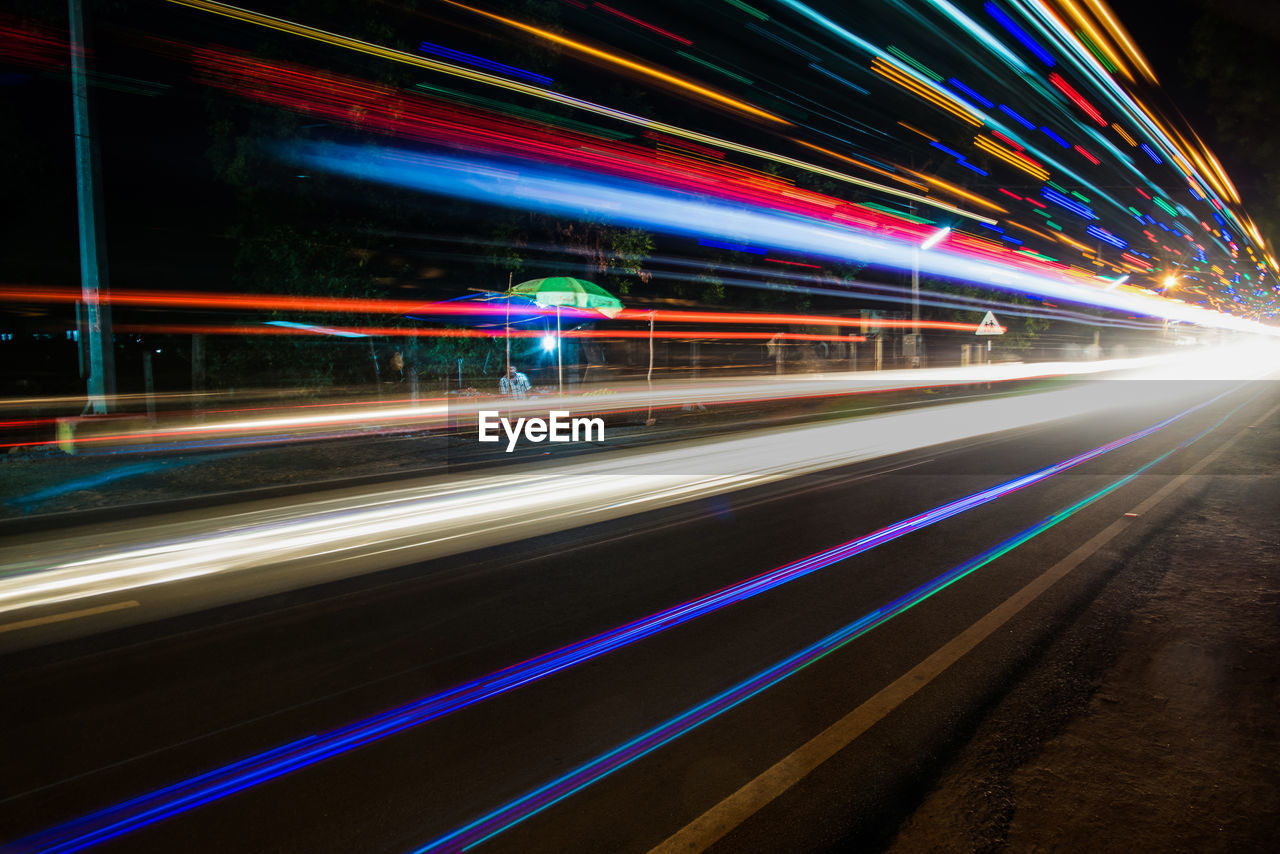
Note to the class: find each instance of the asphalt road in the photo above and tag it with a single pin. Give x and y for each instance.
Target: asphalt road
(92, 721)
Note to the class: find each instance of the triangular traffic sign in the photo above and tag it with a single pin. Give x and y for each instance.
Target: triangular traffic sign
(989, 326)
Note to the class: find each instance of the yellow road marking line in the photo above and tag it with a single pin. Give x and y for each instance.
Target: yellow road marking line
(717, 822)
(67, 615)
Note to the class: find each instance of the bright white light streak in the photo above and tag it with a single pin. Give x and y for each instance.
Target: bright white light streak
(568, 192)
(358, 415)
(935, 238)
(362, 530)
(311, 423)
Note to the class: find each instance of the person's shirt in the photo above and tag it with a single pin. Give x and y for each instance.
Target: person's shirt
(517, 388)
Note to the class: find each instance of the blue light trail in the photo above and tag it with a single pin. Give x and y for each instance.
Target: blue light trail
(535, 801)
(185, 795)
(481, 62)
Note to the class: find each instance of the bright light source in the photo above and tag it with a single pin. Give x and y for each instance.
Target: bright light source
(936, 238)
(549, 343)
(1170, 281)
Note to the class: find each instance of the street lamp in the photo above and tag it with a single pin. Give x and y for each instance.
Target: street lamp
(929, 242)
(1170, 281)
(935, 238)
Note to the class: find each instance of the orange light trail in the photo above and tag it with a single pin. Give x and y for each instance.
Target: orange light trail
(403, 332)
(1072, 243)
(1013, 158)
(917, 130)
(862, 165)
(1124, 135)
(962, 193)
(1096, 37)
(1222, 175)
(282, 302)
(1121, 37)
(1028, 228)
(630, 65)
(937, 98)
(1190, 161)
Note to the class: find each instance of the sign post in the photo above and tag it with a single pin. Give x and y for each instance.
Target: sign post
(989, 326)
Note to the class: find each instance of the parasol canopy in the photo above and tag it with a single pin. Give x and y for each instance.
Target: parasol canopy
(570, 292)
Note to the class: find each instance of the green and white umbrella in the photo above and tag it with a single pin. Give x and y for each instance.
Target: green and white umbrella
(568, 291)
(561, 291)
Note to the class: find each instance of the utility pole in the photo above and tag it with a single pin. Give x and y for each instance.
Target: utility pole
(510, 278)
(915, 340)
(915, 303)
(99, 365)
(914, 350)
(915, 291)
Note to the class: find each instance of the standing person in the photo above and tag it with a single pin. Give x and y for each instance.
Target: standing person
(514, 384)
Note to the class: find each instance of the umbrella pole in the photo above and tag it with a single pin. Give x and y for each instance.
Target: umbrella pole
(648, 419)
(559, 352)
(649, 377)
(507, 374)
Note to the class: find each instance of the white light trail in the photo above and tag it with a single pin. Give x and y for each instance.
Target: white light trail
(361, 530)
(559, 191)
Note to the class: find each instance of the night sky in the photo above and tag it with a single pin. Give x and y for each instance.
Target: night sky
(1166, 33)
(169, 216)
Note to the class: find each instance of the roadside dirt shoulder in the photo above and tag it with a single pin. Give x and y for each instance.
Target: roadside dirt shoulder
(1164, 737)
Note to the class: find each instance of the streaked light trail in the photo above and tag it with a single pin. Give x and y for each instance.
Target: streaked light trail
(568, 192)
(183, 796)
(239, 427)
(313, 33)
(508, 815)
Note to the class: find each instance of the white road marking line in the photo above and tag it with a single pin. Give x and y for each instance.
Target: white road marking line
(717, 822)
(68, 615)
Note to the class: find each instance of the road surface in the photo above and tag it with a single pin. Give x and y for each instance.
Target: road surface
(803, 707)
